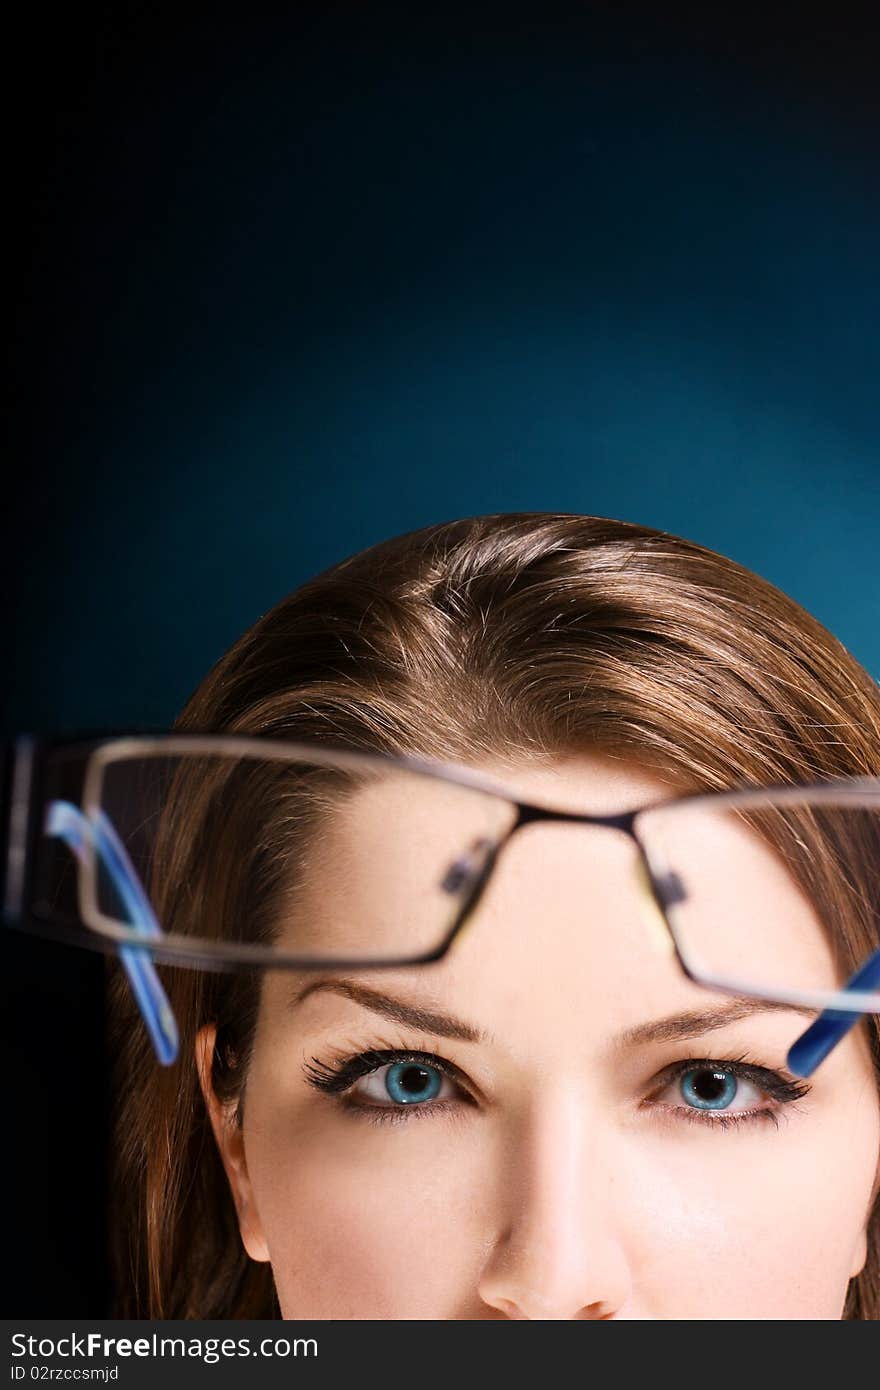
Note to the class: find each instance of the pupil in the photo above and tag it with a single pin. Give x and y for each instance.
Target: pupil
(414, 1079)
(710, 1085)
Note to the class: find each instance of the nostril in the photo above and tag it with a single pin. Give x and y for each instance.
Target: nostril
(510, 1310)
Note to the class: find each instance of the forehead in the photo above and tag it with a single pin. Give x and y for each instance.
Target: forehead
(563, 931)
(593, 782)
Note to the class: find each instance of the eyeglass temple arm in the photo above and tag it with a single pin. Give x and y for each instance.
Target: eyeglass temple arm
(832, 1025)
(68, 823)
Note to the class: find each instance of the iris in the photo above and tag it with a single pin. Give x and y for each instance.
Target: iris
(708, 1089)
(408, 1081)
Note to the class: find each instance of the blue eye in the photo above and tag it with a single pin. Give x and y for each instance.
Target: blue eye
(384, 1080)
(406, 1082)
(720, 1093)
(708, 1088)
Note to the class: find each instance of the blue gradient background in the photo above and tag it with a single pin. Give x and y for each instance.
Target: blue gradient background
(292, 288)
(306, 296)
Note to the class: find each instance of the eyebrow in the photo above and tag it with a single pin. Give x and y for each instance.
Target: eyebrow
(677, 1028)
(398, 1010)
(695, 1022)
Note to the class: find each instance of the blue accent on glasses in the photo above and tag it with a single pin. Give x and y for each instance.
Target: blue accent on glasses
(813, 1046)
(67, 823)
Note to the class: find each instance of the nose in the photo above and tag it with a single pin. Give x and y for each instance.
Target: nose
(560, 1250)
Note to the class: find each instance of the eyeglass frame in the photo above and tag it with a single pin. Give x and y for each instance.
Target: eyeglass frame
(23, 821)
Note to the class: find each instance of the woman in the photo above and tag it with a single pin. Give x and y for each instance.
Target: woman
(551, 1121)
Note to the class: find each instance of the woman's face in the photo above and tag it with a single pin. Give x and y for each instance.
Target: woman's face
(559, 1148)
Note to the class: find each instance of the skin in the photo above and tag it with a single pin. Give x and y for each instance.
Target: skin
(562, 1176)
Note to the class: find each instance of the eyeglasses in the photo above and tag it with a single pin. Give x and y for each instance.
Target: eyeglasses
(214, 852)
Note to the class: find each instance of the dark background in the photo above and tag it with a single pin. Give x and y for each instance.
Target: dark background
(289, 286)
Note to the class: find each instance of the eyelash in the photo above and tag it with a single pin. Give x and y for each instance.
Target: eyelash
(782, 1089)
(336, 1079)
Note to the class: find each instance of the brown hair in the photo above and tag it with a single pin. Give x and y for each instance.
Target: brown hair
(527, 634)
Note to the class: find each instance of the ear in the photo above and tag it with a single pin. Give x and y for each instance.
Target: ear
(860, 1254)
(230, 1143)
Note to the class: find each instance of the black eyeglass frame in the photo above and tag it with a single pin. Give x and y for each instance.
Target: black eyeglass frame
(24, 798)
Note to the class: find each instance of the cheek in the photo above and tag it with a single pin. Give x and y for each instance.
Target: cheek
(757, 1227)
(365, 1221)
